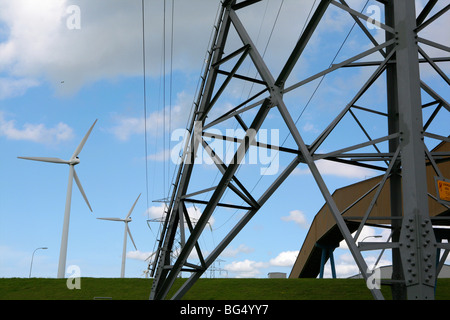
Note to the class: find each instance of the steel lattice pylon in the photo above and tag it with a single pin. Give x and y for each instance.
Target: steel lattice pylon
(400, 153)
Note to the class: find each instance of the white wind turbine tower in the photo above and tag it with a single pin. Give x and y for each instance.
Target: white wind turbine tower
(127, 230)
(72, 175)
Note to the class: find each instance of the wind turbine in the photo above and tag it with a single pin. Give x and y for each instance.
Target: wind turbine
(74, 160)
(127, 230)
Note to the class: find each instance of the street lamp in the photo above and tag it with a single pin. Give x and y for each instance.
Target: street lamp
(382, 251)
(377, 236)
(32, 256)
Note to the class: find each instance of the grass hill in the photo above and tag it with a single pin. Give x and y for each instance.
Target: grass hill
(204, 289)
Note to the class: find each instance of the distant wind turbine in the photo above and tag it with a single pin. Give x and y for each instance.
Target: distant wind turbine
(72, 175)
(127, 230)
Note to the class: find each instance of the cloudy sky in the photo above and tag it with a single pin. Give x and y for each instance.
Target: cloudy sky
(66, 63)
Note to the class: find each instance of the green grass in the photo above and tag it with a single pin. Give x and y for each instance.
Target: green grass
(204, 289)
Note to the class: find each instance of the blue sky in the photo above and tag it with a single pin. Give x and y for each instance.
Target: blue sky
(55, 81)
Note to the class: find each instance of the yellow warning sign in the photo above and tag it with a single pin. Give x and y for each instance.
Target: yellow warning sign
(444, 190)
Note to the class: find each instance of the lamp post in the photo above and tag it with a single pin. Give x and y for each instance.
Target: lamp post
(32, 256)
(377, 236)
(382, 251)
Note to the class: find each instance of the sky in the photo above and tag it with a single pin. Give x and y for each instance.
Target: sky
(65, 64)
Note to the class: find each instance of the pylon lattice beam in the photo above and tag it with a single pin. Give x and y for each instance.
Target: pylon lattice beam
(413, 243)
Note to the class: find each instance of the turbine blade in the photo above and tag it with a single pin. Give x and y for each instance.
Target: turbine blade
(131, 237)
(81, 145)
(111, 219)
(77, 180)
(45, 159)
(132, 208)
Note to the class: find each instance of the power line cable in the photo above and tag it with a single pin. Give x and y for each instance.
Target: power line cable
(171, 88)
(145, 99)
(309, 100)
(164, 100)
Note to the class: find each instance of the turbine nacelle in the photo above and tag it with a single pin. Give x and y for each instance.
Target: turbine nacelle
(74, 161)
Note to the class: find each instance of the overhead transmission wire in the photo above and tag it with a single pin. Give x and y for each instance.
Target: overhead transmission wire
(206, 61)
(164, 99)
(312, 95)
(198, 87)
(163, 80)
(167, 119)
(171, 86)
(145, 101)
(320, 82)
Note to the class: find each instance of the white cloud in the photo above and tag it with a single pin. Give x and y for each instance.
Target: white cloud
(138, 255)
(233, 252)
(35, 132)
(249, 268)
(109, 42)
(345, 263)
(337, 169)
(367, 232)
(298, 217)
(346, 266)
(107, 45)
(156, 212)
(163, 155)
(10, 87)
(284, 259)
(310, 127)
(168, 119)
(246, 268)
